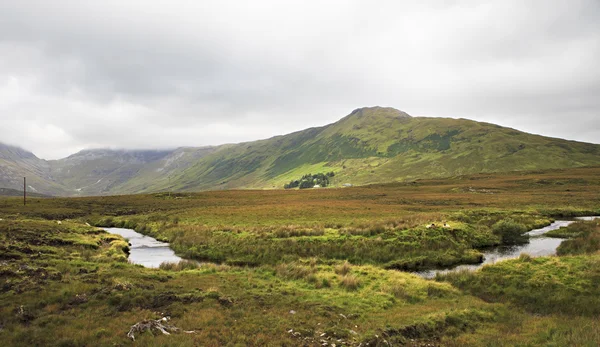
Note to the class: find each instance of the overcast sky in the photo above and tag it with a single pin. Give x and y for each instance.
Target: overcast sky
(160, 74)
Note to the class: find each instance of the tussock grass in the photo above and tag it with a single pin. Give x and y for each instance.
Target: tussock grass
(350, 282)
(180, 265)
(562, 285)
(585, 238)
(343, 269)
(295, 271)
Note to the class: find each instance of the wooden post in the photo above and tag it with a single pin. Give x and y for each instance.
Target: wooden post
(24, 191)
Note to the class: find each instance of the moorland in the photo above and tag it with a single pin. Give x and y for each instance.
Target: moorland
(308, 267)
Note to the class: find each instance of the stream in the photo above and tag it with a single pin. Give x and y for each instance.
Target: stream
(146, 250)
(149, 252)
(538, 246)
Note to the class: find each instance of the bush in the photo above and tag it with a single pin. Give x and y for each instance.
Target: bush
(510, 232)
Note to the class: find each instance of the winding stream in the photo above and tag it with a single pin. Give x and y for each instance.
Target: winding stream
(538, 246)
(149, 252)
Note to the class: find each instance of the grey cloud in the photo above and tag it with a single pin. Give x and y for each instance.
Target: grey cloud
(134, 74)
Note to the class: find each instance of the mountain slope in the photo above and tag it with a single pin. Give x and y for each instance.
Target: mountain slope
(16, 163)
(93, 172)
(373, 145)
(19, 193)
(370, 145)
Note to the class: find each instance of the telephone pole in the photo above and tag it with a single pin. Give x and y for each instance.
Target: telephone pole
(24, 191)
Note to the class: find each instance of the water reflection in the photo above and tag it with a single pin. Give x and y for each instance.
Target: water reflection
(145, 250)
(538, 246)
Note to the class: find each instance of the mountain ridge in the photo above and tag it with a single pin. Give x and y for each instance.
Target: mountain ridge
(369, 145)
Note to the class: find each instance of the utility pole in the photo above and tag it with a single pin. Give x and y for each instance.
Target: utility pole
(24, 191)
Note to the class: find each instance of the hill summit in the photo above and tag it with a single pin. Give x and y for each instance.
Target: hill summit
(370, 145)
(378, 111)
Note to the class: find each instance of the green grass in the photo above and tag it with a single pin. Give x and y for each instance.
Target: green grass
(585, 239)
(73, 294)
(561, 285)
(303, 267)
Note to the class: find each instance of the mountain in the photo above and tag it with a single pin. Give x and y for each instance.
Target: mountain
(370, 145)
(94, 172)
(374, 145)
(91, 172)
(16, 163)
(19, 193)
(150, 173)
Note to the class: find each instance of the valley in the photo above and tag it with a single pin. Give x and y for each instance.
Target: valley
(308, 267)
(371, 145)
(300, 173)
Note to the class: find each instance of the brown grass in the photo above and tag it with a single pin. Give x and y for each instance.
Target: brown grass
(350, 282)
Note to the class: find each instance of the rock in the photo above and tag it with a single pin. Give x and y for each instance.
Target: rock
(159, 324)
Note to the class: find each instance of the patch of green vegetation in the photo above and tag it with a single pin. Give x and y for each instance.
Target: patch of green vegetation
(510, 232)
(68, 293)
(561, 285)
(311, 181)
(585, 239)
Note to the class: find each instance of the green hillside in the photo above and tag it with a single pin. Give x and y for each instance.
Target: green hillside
(371, 145)
(374, 145)
(16, 163)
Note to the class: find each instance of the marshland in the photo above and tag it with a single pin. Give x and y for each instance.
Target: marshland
(308, 267)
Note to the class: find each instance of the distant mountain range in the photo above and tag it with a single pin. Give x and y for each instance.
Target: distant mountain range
(19, 193)
(371, 145)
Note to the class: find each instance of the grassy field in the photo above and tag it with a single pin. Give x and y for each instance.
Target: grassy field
(306, 267)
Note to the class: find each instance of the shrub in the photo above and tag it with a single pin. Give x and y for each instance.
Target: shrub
(510, 232)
